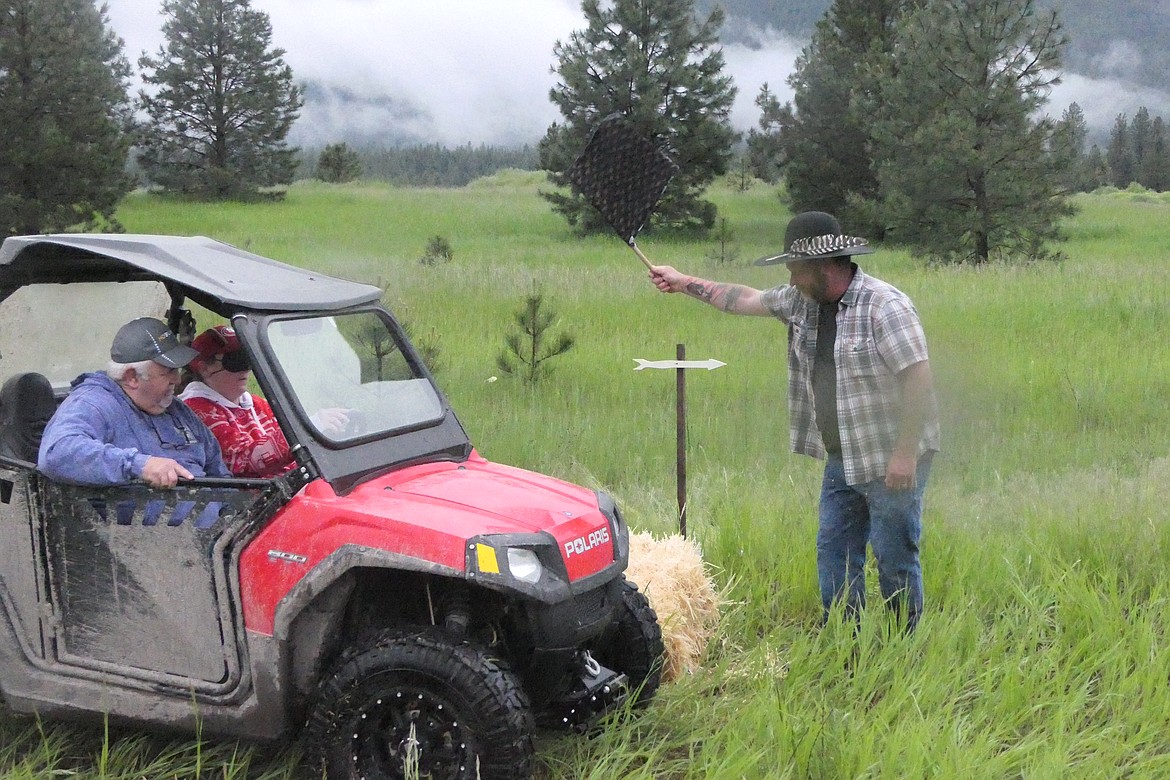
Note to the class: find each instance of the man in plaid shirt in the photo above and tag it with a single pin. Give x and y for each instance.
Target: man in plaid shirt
(860, 396)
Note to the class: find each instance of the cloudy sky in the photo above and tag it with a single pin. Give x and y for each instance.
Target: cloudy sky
(460, 71)
(478, 71)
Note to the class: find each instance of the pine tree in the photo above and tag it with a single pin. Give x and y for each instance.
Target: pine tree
(1069, 143)
(438, 251)
(1155, 169)
(1119, 153)
(222, 102)
(528, 349)
(65, 114)
(827, 145)
(1140, 143)
(338, 164)
(965, 157)
(1097, 169)
(1148, 150)
(651, 61)
(765, 151)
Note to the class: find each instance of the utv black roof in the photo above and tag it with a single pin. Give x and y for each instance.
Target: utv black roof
(210, 272)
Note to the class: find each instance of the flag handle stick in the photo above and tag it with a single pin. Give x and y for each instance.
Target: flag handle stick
(638, 252)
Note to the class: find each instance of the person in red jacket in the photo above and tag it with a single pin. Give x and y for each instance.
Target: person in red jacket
(252, 442)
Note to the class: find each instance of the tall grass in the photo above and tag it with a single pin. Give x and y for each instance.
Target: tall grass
(1044, 652)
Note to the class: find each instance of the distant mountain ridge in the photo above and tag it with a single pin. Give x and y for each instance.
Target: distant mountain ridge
(1122, 39)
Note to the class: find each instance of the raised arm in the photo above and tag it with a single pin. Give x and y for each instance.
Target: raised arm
(731, 298)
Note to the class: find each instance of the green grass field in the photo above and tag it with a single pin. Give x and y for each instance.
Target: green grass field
(1045, 650)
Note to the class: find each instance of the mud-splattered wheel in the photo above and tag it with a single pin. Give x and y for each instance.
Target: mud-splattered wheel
(420, 705)
(633, 644)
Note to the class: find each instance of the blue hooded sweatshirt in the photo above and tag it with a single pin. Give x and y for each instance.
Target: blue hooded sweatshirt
(99, 437)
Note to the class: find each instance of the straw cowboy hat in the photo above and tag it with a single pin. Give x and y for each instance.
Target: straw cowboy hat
(815, 235)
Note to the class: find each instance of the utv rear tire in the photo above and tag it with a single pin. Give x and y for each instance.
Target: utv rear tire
(423, 701)
(633, 645)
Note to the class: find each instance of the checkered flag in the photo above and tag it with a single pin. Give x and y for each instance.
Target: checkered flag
(623, 175)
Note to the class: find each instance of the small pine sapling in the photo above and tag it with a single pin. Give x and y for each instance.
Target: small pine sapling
(438, 251)
(726, 250)
(527, 351)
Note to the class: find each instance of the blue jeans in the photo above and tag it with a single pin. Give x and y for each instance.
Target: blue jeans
(852, 516)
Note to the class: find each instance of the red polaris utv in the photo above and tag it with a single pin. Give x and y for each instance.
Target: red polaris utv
(401, 604)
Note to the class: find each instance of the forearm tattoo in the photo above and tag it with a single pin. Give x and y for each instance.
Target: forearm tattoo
(721, 296)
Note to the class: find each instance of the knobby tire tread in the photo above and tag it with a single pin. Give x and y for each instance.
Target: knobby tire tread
(493, 702)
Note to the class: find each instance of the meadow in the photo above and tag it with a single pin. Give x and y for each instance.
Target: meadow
(1045, 648)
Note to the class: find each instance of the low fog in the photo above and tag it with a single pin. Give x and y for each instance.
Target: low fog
(455, 72)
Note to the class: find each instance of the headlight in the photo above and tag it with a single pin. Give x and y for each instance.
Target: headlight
(524, 565)
(528, 564)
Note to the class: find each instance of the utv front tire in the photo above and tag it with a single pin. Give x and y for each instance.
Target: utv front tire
(420, 705)
(633, 645)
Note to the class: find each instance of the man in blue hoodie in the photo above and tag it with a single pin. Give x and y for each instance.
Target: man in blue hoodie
(123, 425)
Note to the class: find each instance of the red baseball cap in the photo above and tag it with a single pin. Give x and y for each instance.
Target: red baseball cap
(218, 342)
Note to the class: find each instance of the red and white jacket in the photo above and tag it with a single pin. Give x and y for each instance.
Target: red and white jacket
(248, 434)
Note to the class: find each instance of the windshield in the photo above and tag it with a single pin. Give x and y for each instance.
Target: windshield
(349, 375)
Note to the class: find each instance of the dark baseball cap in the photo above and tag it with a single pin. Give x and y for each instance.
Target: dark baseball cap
(149, 339)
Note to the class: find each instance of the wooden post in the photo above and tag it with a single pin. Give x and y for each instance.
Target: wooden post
(680, 384)
(680, 366)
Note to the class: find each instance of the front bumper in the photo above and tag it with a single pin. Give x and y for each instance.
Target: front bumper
(597, 691)
(558, 634)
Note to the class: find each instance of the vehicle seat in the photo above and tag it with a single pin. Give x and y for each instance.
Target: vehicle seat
(26, 404)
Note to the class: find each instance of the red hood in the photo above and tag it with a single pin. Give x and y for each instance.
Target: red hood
(428, 513)
(489, 497)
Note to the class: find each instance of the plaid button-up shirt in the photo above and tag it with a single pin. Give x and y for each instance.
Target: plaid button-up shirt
(878, 335)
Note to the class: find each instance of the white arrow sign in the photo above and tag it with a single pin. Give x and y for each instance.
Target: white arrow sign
(710, 364)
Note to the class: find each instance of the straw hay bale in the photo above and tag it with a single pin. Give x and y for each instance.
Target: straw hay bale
(672, 575)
